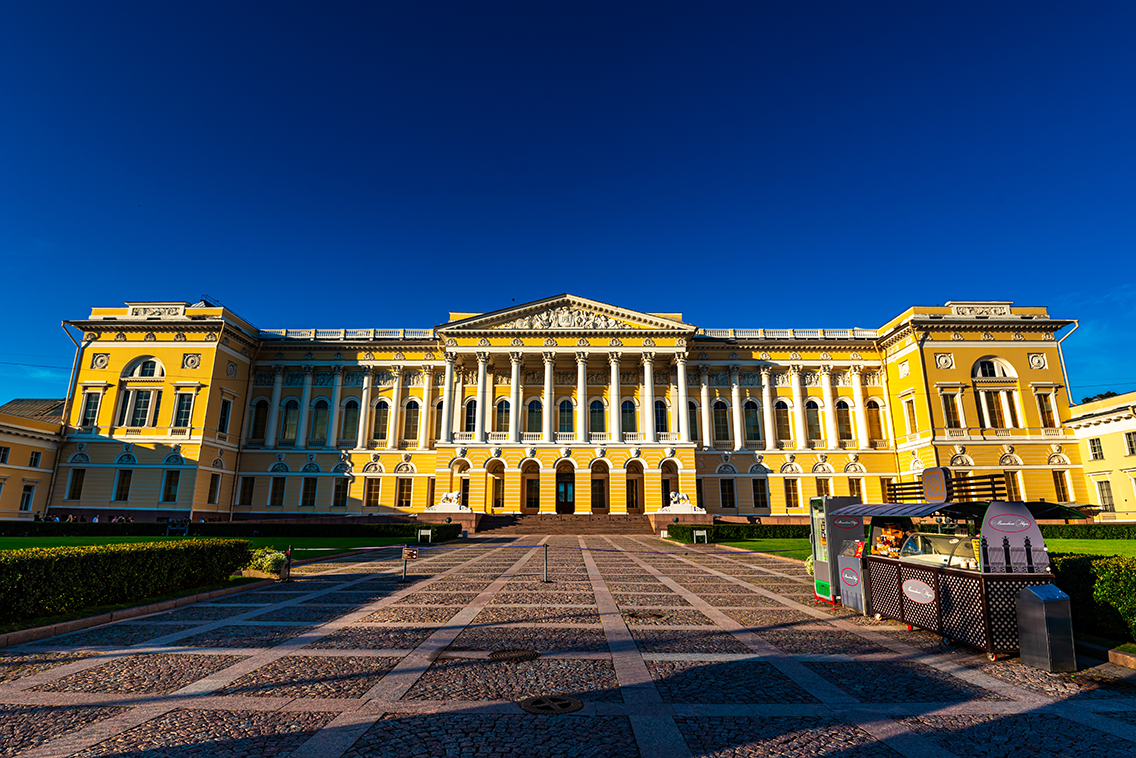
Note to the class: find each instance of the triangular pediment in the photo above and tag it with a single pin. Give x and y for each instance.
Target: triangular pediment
(565, 313)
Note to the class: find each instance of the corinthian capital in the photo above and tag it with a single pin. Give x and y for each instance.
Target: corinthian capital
(516, 357)
(582, 357)
(548, 356)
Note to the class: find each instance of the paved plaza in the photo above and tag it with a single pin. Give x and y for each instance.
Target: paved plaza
(673, 651)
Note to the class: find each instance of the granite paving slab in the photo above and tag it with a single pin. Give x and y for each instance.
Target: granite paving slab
(313, 676)
(786, 737)
(515, 614)
(201, 613)
(477, 679)
(142, 673)
(899, 682)
(15, 666)
(740, 601)
(437, 598)
(640, 600)
(666, 617)
(346, 598)
(244, 636)
(374, 637)
(528, 638)
(771, 618)
(24, 727)
(725, 682)
(314, 613)
(812, 642)
(116, 635)
(686, 641)
(1018, 734)
(1104, 682)
(431, 615)
(507, 597)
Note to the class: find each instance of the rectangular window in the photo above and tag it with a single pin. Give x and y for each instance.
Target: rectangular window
(122, 486)
(248, 486)
(214, 488)
(566, 425)
(824, 487)
(1130, 442)
(532, 493)
(33, 459)
(909, 409)
(371, 492)
(308, 492)
(276, 492)
(498, 492)
(698, 492)
(856, 488)
(170, 486)
(596, 421)
(951, 411)
(403, 492)
(4, 454)
(75, 489)
(140, 410)
(761, 494)
(721, 423)
(692, 422)
(90, 409)
(123, 407)
(1104, 489)
(1012, 407)
(726, 488)
(791, 498)
(994, 417)
(535, 418)
(633, 494)
(1096, 452)
(1045, 407)
(660, 417)
(223, 419)
(1060, 486)
(27, 497)
(339, 492)
(1013, 491)
(183, 410)
(885, 484)
(599, 493)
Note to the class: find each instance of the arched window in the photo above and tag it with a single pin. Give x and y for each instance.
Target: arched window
(781, 416)
(661, 417)
(318, 430)
(410, 421)
(566, 423)
(875, 422)
(752, 420)
(259, 419)
(992, 367)
(812, 420)
(596, 417)
(290, 421)
(721, 421)
(145, 368)
(379, 427)
(350, 427)
(438, 420)
(843, 420)
(471, 416)
(534, 419)
(503, 416)
(692, 420)
(627, 416)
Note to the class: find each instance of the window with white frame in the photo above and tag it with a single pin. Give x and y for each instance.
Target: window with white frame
(371, 489)
(566, 423)
(4, 452)
(259, 425)
(781, 421)
(661, 424)
(170, 483)
(139, 407)
(183, 409)
(596, 420)
(349, 425)
(290, 421)
(752, 417)
(438, 420)
(339, 492)
(726, 490)
(471, 416)
(502, 420)
(1130, 442)
(214, 489)
(403, 492)
(532, 425)
(824, 487)
(317, 430)
(27, 497)
(721, 418)
(1013, 486)
(909, 414)
(75, 484)
(951, 411)
(1104, 490)
(843, 420)
(379, 427)
(812, 421)
(628, 417)
(1045, 410)
(225, 415)
(248, 487)
(308, 491)
(410, 421)
(875, 421)
(1060, 486)
(792, 495)
(122, 485)
(277, 490)
(1096, 452)
(692, 420)
(856, 487)
(761, 494)
(90, 415)
(34, 458)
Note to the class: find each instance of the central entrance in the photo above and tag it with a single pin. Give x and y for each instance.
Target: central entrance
(566, 490)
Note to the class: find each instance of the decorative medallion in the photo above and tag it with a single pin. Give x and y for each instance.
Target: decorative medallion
(703, 356)
(406, 457)
(601, 452)
(495, 452)
(635, 452)
(944, 360)
(451, 342)
(615, 342)
(856, 357)
(100, 360)
(231, 370)
(648, 342)
(957, 337)
(517, 342)
(565, 452)
(461, 452)
(483, 342)
(149, 337)
(309, 356)
(399, 356)
(825, 357)
(1018, 337)
(179, 337)
(120, 337)
(549, 342)
(765, 357)
(1037, 361)
(795, 356)
(582, 343)
(680, 342)
(92, 336)
(368, 356)
(225, 341)
(987, 336)
(211, 337)
(191, 360)
(670, 451)
(531, 452)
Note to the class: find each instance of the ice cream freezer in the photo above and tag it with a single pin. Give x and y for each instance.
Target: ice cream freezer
(963, 587)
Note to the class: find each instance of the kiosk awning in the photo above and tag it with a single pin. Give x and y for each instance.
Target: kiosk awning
(1038, 510)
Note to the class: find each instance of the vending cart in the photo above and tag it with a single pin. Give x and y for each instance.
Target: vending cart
(828, 535)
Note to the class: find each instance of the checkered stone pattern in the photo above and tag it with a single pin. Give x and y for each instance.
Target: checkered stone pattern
(899, 682)
(680, 617)
(545, 640)
(316, 614)
(496, 614)
(201, 613)
(507, 597)
(813, 642)
(216, 733)
(374, 637)
(438, 598)
(428, 615)
(24, 727)
(346, 598)
(1104, 682)
(686, 641)
(729, 682)
(142, 673)
(244, 636)
(396, 735)
(15, 666)
(1013, 735)
(772, 618)
(313, 676)
(473, 679)
(115, 635)
(785, 736)
(656, 600)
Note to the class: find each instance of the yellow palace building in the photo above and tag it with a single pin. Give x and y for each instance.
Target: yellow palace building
(562, 405)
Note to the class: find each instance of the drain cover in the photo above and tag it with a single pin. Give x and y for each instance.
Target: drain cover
(550, 705)
(646, 615)
(514, 655)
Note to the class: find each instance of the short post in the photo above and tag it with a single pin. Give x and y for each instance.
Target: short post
(545, 580)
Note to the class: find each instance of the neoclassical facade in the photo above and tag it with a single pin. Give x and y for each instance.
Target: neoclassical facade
(560, 405)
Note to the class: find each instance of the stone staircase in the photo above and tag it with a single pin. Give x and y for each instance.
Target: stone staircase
(554, 523)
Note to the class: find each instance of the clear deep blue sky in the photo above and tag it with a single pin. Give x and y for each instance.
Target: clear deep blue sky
(755, 164)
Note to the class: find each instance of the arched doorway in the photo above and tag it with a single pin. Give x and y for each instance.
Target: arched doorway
(599, 486)
(670, 481)
(495, 485)
(530, 486)
(634, 487)
(459, 480)
(565, 488)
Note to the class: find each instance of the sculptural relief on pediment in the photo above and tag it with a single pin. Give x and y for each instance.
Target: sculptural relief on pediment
(565, 317)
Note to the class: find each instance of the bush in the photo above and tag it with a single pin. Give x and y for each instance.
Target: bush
(267, 560)
(54, 581)
(87, 529)
(720, 532)
(1088, 531)
(440, 532)
(1102, 593)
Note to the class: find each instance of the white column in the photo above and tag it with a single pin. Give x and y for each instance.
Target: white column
(798, 407)
(479, 423)
(515, 397)
(336, 395)
(829, 408)
(424, 411)
(704, 384)
(861, 409)
(767, 408)
(393, 432)
(305, 401)
(274, 407)
(613, 399)
(448, 399)
(683, 400)
(736, 402)
(364, 412)
(581, 397)
(648, 396)
(546, 417)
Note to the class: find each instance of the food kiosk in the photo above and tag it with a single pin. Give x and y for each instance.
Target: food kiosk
(828, 535)
(961, 586)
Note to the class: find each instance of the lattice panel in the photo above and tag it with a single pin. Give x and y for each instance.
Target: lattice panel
(885, 589)
(1002, 597)
(960, 598)
(923, 615)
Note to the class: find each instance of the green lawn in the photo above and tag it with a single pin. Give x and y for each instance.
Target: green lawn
(1093, 547)
(303, 547)
(789, 548)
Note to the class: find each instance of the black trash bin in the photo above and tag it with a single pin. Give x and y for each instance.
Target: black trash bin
(1045, 629)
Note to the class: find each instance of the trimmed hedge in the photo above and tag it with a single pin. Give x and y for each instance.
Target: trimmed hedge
(1102, 592)
(54, 581)
(721, 532)
(226, 529)
(80, 529)
(1088, 531)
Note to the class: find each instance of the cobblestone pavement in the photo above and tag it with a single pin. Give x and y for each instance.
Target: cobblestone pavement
(674, 651)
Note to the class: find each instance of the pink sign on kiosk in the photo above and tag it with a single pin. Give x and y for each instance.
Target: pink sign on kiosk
(1011, 541)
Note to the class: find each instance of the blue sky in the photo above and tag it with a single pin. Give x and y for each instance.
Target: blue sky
(750, 164)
